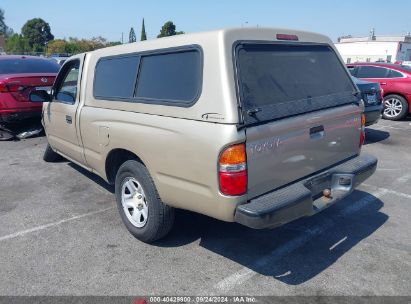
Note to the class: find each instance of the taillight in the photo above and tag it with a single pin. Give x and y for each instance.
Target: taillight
(3, 88)
(11, 87)
(232, 170)
(362, 134)
(287, 37)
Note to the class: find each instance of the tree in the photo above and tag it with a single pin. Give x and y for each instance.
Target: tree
(57, 46)
(9, 32)
(113, 43)
(98, 43)
(168, 29)
(4, 29)
(17, 44)
(37, 32)
(3, 26)
(132, 36)
(143, 32)
(74, 45)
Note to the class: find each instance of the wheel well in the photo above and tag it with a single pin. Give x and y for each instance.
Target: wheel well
(115, 159)
(391, 93)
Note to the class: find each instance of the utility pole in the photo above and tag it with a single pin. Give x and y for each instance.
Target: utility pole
(122, 38)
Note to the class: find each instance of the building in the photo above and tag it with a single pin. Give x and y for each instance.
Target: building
(375, 48)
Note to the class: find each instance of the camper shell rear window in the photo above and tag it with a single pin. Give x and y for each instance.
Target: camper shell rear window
(277, 80)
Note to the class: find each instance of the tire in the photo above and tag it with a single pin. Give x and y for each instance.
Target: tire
(143, 213)
(50, 156)
(395, 107)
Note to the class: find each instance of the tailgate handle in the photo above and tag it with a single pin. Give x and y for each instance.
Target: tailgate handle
(317, 132)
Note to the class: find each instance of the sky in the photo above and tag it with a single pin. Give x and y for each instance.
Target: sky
(109, 19)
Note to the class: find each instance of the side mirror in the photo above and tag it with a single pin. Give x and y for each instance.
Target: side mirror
(40, 96)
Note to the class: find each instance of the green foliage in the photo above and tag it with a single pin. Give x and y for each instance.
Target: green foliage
(75, 46)
(17, 44)
(4, 29)
(132, 36)
(3, 26)
(57, 46)
(143, 32)
(168, 29)
(113, 43)
(9, 32)
(37, 32)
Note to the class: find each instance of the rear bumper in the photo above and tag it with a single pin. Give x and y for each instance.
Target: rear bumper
(372, 114)
(304, 198)
(10, 117)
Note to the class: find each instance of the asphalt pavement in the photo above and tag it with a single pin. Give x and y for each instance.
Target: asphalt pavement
(60, 234)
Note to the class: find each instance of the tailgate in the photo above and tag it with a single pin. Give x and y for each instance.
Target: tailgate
(284, 151)
(300, 109)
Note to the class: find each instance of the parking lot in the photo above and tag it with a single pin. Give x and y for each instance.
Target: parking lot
(60, 234)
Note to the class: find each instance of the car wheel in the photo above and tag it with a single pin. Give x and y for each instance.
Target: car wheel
(395, 107)
(51, 156)
(144, 214)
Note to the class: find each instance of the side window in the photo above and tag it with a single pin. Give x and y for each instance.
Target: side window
(170, 78)
(394, 74)
(66, 88)
(115, 77)
(372, 72)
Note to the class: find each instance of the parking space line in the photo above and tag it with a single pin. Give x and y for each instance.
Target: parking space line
(403, 179)
(42, 227)
(338, 243)
(397, 193)
(246, 273)
(388, 127)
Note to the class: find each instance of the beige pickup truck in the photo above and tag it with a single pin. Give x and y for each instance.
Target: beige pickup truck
(255, 126)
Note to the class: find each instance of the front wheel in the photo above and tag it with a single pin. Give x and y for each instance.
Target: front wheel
(144, 214)
(395, 107)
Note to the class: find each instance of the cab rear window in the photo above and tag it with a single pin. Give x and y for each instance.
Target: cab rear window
(282, 80)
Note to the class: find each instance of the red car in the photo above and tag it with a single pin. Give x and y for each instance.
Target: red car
(19, 75)
(395, 81)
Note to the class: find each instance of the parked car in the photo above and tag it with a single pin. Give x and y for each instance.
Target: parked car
(406, 63)
(395, 81)
(243, 125)
(372, 96)
(59, 60)
(19, 76)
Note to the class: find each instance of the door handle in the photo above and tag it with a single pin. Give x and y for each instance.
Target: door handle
(69, 120)
(317, 132)
(383, 83)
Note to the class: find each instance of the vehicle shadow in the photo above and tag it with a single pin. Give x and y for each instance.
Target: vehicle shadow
(95, 178)
(373, 136)
(293, 253)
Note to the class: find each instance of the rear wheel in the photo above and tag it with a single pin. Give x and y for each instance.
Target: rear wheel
(144, 214)
(395, 107)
